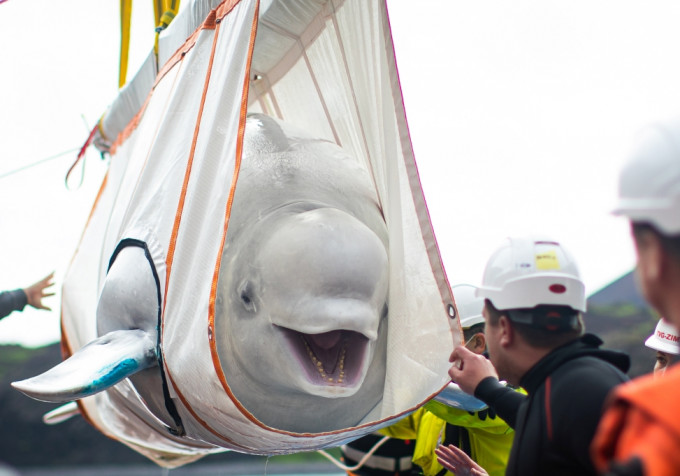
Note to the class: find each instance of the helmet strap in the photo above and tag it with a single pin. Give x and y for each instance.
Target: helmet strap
(548, 319)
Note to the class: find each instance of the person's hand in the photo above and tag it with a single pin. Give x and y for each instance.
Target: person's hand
(36, 292)
(458, 462)
(469, 369)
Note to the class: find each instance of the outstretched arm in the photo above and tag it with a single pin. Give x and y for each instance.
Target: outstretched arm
(36, 292)
(469, 369)
(504, 400)
(32, 295)
(11, 301)
(458, 462)
(476, 375)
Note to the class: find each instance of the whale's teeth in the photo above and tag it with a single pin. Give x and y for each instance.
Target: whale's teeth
(319, 365)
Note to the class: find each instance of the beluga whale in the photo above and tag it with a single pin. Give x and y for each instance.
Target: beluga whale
(303, 282)
(300, 311)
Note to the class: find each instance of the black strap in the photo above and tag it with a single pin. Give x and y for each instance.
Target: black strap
(169, 404)
(457, 436)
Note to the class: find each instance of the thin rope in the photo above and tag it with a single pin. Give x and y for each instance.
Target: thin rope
(361, 462)
(81, 155)
(38, 162)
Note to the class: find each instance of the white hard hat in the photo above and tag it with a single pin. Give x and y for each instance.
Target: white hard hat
(665, 338)
(469, 306)
(531, 271)
(649, 184)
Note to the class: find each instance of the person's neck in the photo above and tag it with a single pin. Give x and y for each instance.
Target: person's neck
(525, 358)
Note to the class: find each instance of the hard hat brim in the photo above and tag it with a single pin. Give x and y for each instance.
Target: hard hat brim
(530, 291)
(657, 344)
(467, 322)
(660, 212)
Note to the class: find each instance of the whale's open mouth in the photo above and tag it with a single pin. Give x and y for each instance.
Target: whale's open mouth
(335, 358)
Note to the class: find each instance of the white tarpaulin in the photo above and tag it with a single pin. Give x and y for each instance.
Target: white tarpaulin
(327, 67)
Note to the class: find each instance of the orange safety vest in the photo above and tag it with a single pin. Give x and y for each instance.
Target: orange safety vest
(642, 420)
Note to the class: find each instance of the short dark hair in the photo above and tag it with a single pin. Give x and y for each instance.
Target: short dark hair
(473, 330)
(670, 243)
(541, 337)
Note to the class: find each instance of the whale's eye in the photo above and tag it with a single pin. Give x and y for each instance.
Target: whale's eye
(246, 296)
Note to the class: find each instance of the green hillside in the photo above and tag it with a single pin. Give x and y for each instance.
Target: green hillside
(625, 327)
(26, 441)
(619, 315)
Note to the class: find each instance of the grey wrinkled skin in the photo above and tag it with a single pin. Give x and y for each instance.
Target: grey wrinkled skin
(301, 309)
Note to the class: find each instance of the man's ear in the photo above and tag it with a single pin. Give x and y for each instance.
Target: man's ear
(478, 344)
(506, 334)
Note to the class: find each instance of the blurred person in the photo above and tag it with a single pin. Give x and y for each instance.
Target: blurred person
(32, 295)
(479, 433)
(640, 432)
(664, 341)
(534, 298)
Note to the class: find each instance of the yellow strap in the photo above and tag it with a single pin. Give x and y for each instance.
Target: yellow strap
(164, 12)
(157, 11)
(125, 16)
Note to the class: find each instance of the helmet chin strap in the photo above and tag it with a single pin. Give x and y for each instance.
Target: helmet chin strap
(550, 319)
(467, 344)
(470, 344)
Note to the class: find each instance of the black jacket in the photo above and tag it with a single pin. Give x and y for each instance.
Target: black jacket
(555, 424)
(11, 301)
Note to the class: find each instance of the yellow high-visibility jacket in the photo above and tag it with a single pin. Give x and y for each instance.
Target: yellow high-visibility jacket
(490, 437)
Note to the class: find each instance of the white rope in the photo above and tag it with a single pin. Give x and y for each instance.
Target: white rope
(361, 462)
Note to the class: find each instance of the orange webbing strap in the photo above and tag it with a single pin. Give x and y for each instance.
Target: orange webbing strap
(222, 12)
(125, 17)
(164, 12)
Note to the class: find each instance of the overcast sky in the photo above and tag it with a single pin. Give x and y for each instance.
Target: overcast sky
(520, 114)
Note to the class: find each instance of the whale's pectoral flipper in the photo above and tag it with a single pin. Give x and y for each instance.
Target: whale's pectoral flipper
(61, 414)
(97, 366)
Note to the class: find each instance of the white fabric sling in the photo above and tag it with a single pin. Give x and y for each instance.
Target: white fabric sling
(327, 66)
